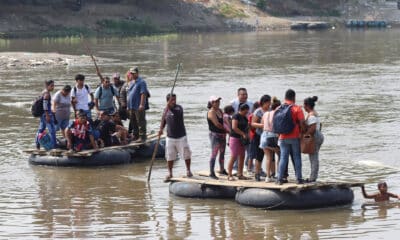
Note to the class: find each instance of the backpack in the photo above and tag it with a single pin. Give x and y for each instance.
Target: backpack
(37, 107)
(86, 86)
(101, 91)
(282, 122)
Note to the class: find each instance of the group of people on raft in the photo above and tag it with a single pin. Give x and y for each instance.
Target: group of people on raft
(250, 129)
(113, 102)
(248, 124)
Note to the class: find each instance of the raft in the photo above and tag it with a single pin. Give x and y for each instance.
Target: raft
(327, 196)
(265, 195)
(114, 155)
(310, 26)
(199, 190)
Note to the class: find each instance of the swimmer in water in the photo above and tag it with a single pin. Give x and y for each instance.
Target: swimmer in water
(382, 195)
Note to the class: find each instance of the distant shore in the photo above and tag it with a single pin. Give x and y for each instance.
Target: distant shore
(127, 18)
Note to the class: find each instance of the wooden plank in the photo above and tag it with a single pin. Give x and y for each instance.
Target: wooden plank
(29, 151)
(291, 186)
(36, 151)
(56, 152)
(88, 153)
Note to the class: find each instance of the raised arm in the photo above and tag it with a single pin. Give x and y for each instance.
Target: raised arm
(392, 195)
(367, 195)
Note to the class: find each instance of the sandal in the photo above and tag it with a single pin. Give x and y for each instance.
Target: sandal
(231, 178)
(167, 178)
(241, 177)
(189, 174)
(223, 172)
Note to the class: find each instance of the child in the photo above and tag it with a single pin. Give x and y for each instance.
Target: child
(382, 195)
(228, 112)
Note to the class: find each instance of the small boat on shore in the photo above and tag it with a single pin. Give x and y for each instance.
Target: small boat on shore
(114, 155)
(266, 195)
(298, 26)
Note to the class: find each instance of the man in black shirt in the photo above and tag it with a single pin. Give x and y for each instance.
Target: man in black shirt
(105, 127)
(176, 141)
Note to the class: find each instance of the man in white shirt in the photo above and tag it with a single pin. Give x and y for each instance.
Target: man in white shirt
(80, 96)
(241, 99)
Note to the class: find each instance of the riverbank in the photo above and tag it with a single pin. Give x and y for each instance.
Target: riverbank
(43, 18)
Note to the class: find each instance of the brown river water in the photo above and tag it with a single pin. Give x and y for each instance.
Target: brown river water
(355, 74)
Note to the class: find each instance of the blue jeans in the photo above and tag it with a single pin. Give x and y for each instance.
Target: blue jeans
(50, 126)
(288, 145)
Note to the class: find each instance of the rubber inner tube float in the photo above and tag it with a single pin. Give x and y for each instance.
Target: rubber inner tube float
(303, 199)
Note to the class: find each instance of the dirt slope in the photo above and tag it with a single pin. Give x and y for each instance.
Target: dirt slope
(37, 18)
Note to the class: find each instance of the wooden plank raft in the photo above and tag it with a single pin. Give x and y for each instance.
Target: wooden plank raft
(202, 178)
(88, 153)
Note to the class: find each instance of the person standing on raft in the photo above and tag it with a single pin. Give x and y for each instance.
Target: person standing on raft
(313, 128)
(137, 103)
(215, 120)
(238, 141)
(290, 142)
(176, 141)
(47, 118)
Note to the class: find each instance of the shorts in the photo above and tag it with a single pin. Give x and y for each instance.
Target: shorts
(268, 140)
(62, 124)
(175, 146)
(236, 147)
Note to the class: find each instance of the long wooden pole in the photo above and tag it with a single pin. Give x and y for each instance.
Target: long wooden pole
(93, 59)
(162, 120)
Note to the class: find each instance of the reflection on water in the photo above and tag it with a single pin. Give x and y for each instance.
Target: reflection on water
(354, 74)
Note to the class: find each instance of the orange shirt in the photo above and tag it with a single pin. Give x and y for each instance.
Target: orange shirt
(297, 116)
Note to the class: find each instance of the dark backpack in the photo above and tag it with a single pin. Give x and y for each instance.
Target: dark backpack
(37, 107)
(101, 91)
(86, 86)
(282, 122)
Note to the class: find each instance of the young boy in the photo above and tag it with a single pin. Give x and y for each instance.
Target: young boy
(382, 195)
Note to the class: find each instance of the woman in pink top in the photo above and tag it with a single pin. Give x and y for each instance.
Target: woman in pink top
(269, 140)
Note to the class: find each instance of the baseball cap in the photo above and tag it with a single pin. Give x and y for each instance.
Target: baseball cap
(134, 69)
(116, 75)
(214, 98)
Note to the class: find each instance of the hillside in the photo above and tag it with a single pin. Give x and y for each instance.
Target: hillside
(38, 18)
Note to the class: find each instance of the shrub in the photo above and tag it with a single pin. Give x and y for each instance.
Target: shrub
(261, 4)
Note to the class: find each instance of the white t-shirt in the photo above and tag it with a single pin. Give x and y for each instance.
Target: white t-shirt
(82, 97)
(235, 104)
(314, 119)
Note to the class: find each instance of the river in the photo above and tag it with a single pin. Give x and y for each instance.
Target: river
(355, 74)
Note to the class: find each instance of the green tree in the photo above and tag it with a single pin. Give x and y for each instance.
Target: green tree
(261, 4)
